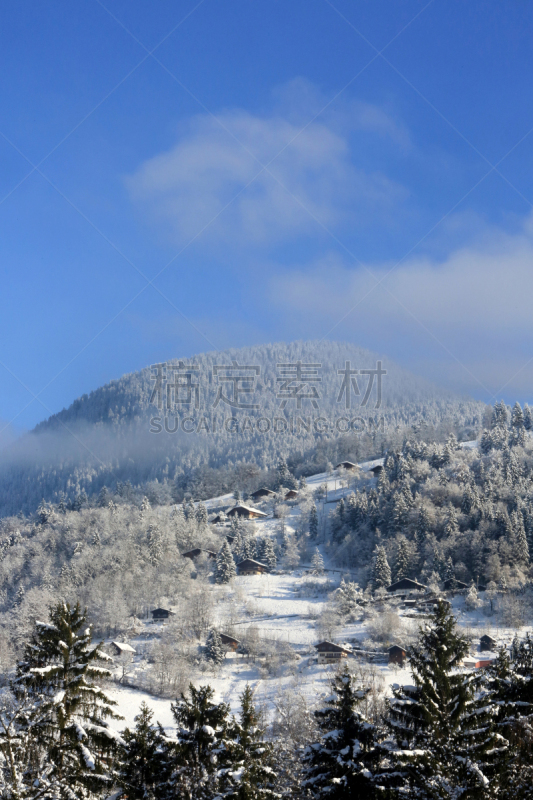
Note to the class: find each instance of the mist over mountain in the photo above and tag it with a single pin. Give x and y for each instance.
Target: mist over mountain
(189, 424)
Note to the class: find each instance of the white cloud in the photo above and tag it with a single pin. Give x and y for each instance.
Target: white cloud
(215, 158)
(475, 305)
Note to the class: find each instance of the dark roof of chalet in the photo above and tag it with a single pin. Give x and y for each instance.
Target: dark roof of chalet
(489, 639)
(228, 639)
(453, 583)
(251, 563)
(291, 493)
(397, 647)
(197, 551)
(405, 583)
(331, 647)
(160, 611)
(346, 465)
(241, 507)
(376, 468)
(262, 492)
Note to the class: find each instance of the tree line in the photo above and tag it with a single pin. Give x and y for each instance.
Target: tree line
(451, 734)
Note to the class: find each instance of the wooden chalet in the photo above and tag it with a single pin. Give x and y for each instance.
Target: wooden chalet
(160, 614)
(406, 585)
(122, 649)
(229, 641)
(251, 567)
(246, 512)
(329, 653)
(291, 494)
(478, 662)
(397, 654)
(377, 470)
(192, 554)
(262, 493)
(487, 643)
(453, 585)
(347, 465)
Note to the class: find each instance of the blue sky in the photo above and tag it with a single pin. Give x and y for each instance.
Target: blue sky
(187, 176)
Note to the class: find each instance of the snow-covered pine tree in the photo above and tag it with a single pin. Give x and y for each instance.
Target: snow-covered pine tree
(342, 764)
(201, 516)
(403, 560)
(69, 725)
(225, 565)
(381, 572)
(214, 649)
(471, 599)
(268, 555)
(282, 475)
(443, 724)
(317, 563)
(348, 598)
(313, 522)
(510, 678)
(144, 766)
(251, 775)
(200, 752)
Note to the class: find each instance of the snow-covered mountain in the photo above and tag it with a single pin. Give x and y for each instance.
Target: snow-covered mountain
(187, 422)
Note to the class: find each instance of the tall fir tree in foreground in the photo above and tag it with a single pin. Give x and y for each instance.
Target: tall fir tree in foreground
(251, 775)
(74, 744)
(510, 678)
(200, 752)
(446, 745)
(225, 565)
(346, 761)
(144, 769)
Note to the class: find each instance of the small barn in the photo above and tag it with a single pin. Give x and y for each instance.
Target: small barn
(330, 653)
(397, 654)
(122, 649)
(262, 493)
(377, 470)
(406, 585)
(251, 567)
(229, 641)
(453, 585)
(220, 518)
(487, 643)
(160, 614)
(246, 512)
(192, 554)
(291, 494)
(347, 465)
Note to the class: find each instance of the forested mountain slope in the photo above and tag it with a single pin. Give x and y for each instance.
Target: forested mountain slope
(187, 424)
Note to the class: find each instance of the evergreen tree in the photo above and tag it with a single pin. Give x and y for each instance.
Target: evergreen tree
(214, 649)
(282, 475)
(471, 599)
(528, 418)
(251, 775)
(268, 555)
(518, 429)
(511, 682)
(403, 560)
(201, 516)
(381, 572)
(317, 563)
(200, 753)
(343, 763)
(144, 768)
(69, 723)
(313, 522)
(442, 724)
(225, 565)
(348, 598)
